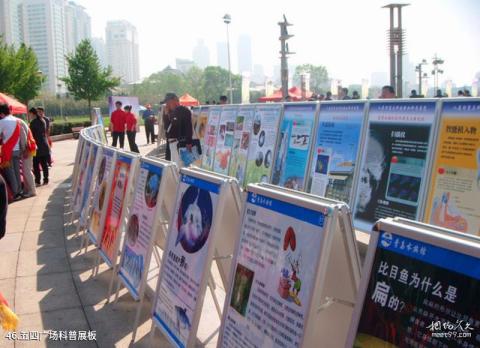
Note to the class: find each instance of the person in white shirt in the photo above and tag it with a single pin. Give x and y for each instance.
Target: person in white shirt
(10, 136)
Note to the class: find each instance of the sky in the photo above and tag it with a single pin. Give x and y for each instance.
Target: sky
(349, 37)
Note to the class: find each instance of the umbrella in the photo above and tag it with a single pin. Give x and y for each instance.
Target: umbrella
(188, 100)
(16, 108)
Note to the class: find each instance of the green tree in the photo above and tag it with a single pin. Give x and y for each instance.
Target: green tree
(86, 78)
(194, 81)
(216, 83)
(28, 80)
(318, 77)
(7, 63)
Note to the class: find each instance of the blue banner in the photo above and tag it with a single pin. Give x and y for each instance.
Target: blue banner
(201, 184)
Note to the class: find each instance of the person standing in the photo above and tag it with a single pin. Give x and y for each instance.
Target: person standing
(131, 122)
(387, 92)
(38, 126)
(177, 121)
(223, 100)
(48, 121)
(149, 122)
(117, 125)
(28, 148)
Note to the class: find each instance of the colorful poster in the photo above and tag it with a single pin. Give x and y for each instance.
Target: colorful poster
(241, 142)
(196, 129)
(420, 295)
(263, 140)
(101, 124)
(294, 151)
(392, 178)
(201, 123)
(116, 202)
(225, 138)
(82, 171)
(140, 227)
(336, 148)
(455, 183)
(100, 192)
(184, 264)
(275, 268)
(84, 203)
(210, 139)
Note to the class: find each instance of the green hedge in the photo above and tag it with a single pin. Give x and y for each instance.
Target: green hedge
(66, 128)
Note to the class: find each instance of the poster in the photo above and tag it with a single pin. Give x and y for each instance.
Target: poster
(101, 124)
(420, 294)
(294, 151)
(84, 203)
(185, 257)
(392, 176)
(82, 170)
(140, 226)
(116, 201)
(336, 148)
(225, 139)
(197, 128)
(263, 140)
(455, 183)
(275, 269)
(210, 138)
(241, 142)
(99, 195)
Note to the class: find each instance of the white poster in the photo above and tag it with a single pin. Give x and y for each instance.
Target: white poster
(275, 268)
(85, 200)
(185, 258)
(210, 138)
(225, 138)
(82, 171)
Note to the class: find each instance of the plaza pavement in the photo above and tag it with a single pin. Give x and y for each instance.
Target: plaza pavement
(48, 283)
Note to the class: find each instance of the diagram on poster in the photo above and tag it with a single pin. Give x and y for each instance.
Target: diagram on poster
(275, 269)
(336, 149)
(294, 152)
(393, 168)
(185, 257)
(140, 226)
(210, 138)
(242, 135)
(115, 205)
(225, 139)
(262, 143)
(455, 187)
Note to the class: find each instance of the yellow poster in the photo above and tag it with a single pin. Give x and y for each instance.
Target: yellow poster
(454, 195)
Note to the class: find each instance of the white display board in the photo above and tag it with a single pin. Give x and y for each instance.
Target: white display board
(420, 287)
(93, 163)
(80, 182)
(225, 139)
(210, 138)
(295, 272)
(206, 203)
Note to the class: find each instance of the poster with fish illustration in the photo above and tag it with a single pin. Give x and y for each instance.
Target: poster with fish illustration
(225, 140)
(274, 274)
(140, 226)
(185, 258)
(210, 138)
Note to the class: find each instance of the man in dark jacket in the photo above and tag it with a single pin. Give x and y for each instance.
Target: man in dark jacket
(177, 121)
(39, 130)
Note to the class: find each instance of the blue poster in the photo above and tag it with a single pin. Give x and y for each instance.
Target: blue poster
(336, 149)
(294, 146)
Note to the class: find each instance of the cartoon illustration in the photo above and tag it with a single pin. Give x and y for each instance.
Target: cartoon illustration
(241, 289)
(183, 323)
(290, 283)
(151, 189)
(446, 214)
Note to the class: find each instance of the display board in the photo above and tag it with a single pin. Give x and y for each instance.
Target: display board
(95, 153)
(292, 254)
(99, 121)
(210, 138)
(225, 139)
(395, 161)
(122, 179)
(76, 165)
(196, 233)
(455, 178)
(201, 124)
(101, 192)
(80, 183)
(241, 142)
(198, 129)
(295, 140)
(419, 288)
(263, 141)
(336, 150)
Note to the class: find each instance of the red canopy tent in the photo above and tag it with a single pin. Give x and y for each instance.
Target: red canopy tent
(188, 100)
(294, 93)
(16, 108)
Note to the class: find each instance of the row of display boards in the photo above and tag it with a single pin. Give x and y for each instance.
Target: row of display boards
(287, 259)
(417, 159)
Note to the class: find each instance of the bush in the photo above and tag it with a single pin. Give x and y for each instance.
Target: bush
(66, 128)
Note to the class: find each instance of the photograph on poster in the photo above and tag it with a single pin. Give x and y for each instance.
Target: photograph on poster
(242, 285)
(133, 229)
(414, 290)
(151, 189)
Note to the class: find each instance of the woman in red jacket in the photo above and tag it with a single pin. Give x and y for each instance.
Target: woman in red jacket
(131, 122)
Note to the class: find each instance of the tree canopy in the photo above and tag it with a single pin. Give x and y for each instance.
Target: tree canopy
(319, 81)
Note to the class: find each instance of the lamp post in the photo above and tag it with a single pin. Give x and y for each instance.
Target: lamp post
(436, 70)
(227, 19)
(418, 69)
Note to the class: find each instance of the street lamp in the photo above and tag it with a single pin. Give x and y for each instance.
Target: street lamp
(227, 19)
(418, 69)
(436, 70)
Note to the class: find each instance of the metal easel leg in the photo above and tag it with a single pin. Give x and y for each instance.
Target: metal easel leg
(137, 318)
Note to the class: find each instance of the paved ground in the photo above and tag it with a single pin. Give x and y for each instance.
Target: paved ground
(49, 284)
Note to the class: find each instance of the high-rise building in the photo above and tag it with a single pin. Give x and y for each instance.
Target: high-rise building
(184, 64)
(122, 50)
(244, 54)
(201, 54)
(10, 21)
(98, 45)
(222, 55)
(258, 75)
(44, 31)
(77, 25)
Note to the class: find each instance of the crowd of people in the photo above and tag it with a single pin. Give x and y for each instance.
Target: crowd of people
(25, 155)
